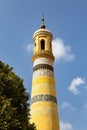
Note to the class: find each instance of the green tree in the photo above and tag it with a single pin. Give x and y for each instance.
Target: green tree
(14, 112)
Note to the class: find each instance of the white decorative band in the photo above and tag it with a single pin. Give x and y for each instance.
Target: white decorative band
(43, 61)
(43, 72)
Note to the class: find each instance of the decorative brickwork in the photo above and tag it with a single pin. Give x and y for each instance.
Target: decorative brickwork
(42, 66)
(48, 98)
(43, 72)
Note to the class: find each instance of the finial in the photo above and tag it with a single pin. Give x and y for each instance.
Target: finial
(43, 25)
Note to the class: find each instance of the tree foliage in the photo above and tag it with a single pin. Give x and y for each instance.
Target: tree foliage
(14, 112)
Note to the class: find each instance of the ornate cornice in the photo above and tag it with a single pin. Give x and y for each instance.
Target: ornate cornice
(42, 32)
(45, 54)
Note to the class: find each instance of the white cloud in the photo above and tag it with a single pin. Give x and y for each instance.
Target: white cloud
(65, 126)
(75, 84)
(29, 47)
(66, 105)
(62, 51)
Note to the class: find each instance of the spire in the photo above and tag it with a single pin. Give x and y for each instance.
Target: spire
(43, 25)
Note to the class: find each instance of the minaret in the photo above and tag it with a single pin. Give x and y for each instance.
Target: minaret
(44, 108)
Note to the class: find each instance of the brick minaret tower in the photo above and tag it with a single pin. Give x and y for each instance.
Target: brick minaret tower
(44, 111)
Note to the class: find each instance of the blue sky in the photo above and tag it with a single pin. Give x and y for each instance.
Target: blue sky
(67, 20)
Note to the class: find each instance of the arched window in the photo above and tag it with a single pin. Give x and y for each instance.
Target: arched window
(50, 44)
(42, 44)
(35, 44)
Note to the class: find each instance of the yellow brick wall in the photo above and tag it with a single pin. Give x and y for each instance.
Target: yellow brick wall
(44, 113)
